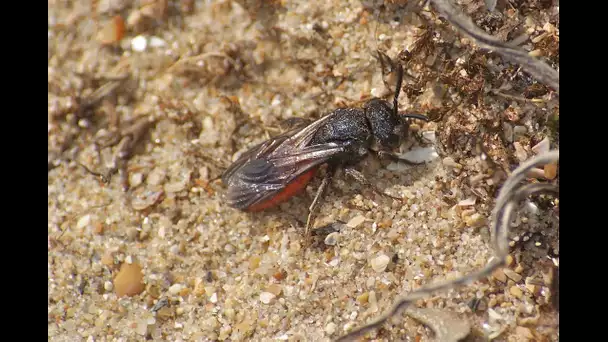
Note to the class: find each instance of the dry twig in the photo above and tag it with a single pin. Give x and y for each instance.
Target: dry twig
(510, 195)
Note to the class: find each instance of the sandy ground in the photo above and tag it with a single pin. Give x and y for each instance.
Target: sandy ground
(193, 84)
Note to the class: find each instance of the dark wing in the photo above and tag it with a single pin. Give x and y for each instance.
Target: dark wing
(269, 167)
(261, 179)
(260, 150)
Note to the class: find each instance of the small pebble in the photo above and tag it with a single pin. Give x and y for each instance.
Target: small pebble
(449, 161)
(499, 275)
(108, 286)
(135, 179)
(139, 43)
(332, 239)
(129, 280)
(112, 31)
(356, 221)
(213, 298)
(550, 171)
(363, 298)
(83, 222)
(509, 260)
(380, 263)
(267, 297)
(107, 259)
(512, 275)
(175, 289)
(524, 332)
(467, 202)
(516, 292)
(330, 328)
(274, 289)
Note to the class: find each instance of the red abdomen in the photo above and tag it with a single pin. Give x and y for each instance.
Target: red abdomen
(297, 185)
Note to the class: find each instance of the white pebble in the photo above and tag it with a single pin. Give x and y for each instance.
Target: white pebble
(108, 286)
(330, 328)
(429, 135)
(157, 42)
(423, 154)
(175, 289)
(83, 222)
(266, 297)
(139, 43)
(136, 179)
(467, 202)
(213, 298)
(380, 263)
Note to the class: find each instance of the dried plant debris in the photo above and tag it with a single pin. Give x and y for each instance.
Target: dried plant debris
(511, 193)
(537, 68)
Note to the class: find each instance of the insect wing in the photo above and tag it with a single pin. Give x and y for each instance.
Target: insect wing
(263, 171)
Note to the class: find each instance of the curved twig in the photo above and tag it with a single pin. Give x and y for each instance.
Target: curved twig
(510, 195)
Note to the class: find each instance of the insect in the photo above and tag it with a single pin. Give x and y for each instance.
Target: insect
(277, 169)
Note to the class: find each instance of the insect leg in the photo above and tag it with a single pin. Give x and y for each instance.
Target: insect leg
(359, 177)
(315, 202)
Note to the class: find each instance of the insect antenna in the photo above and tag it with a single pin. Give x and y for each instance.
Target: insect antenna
(398, 88)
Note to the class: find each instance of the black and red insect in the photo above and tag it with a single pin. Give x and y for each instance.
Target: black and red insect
(279, 168)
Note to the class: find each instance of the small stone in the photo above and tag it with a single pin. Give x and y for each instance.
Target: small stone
(274, 289)
(380, 263)
(142, 328)
(475, 220)
(330, 328)
(213, 298)
(500, 275)
(363, 298)
(550, 171)
(524, 332)
(509, 260)
(356, 221)
(512, 275)
(156, 176)
(429, 135)
(107, 259)
(156, 42)
(332, 239)
(112, 31)
(449, 161)
(373, 302)
(254, 262)
(467, 202)
(83, 222)
(135, 179)
(129, 280)
(108, 286)
(267, 297)
(139, 43)
(519, 130)
(516, 292)
(164, 313)
(175, 289)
